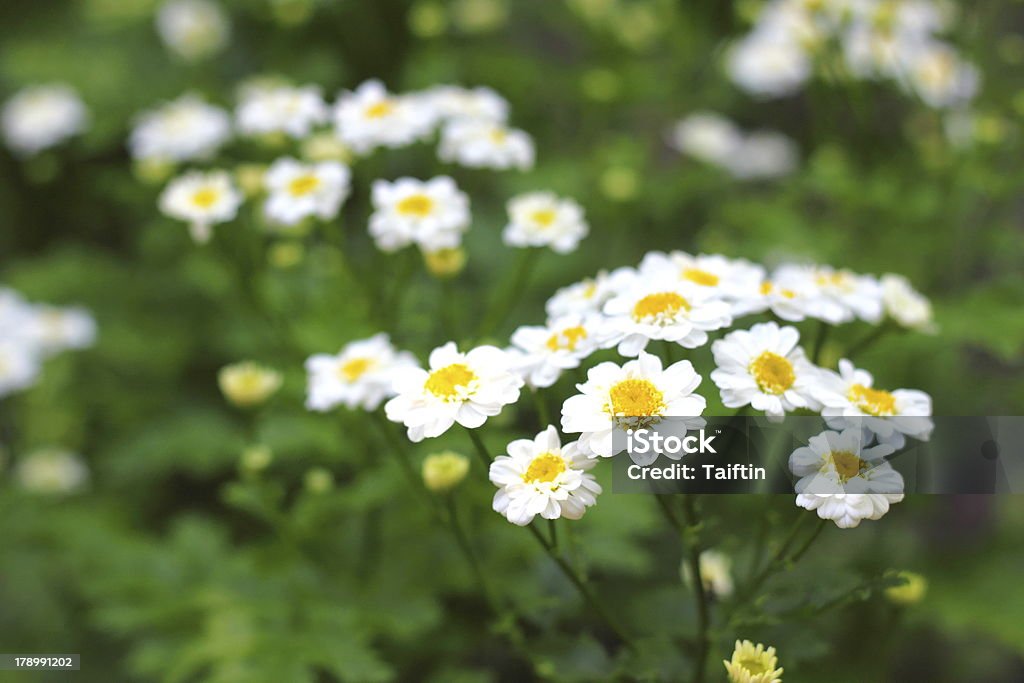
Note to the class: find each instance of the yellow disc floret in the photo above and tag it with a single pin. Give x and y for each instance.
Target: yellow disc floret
(847, 464)
(700, 277)
(447, 382)
(544, 468)
(660, 305)
(303, 185)
(872, 401)
(773, 373)
(636, 398)
(419, 205)
(567, 339)
(355, 368)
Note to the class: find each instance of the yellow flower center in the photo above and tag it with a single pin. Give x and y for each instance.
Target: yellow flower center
(379, 109)
(753, 665)
(419, 205)
(662, 304)
(636, 398)
(205, 198)
(354, 369)
(446, 382)
(872, 401)
(847, 464)
(498, 136)
(543, 217)
(701, 277)
(590, 290)
(303, 185)
(567, 338)
(772, 372)
(545, 467)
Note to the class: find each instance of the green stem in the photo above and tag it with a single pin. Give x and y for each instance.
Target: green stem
(480, 448)
(809, 542)
(868, 341)
(819, 341)
(500, 310)
(700, 596)
(541, 403)
(553, 529)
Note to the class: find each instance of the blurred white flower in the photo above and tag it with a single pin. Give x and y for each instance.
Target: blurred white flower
(707, 136)
(193, 29)
(768, 65)
(764, 368)
(541, 477)
(715, 573)
(618, 397)
(847, 510)
(453, 103)
(370, 117)
(294, 111)
(55, 329)
(359, 376)
(764, 154)
(459, 387)
(589, 295)
(19, 365)
(42, 116)
(541, 353)
(485, 144)
(432, 213)
(906, 305)
(540, 219)
(202, 200)
(184, 129)
(296, 190)
(52, 471)
(939, 76)
(733, 280)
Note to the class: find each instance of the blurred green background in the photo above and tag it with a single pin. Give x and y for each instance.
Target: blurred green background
(177, 565)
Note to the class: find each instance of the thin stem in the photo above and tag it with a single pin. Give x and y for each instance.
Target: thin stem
(869, 340)
(809, 542)
(583, 586)
(819, 341)
(541, 403)
(480, 448)
(467, 550)
(700, 596)
(553, 530)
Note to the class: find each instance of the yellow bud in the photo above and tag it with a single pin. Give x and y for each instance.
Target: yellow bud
(326, 147)
(319, 480)
(444, 471)
(256, 458)
(248, 384)
(285, 255)
(427, 19)
(910, 592)
(619, 183)
(153, 171)
(445, 263)
(250, 178)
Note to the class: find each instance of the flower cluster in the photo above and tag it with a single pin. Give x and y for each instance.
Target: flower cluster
(42, 116)
(31, 333)
(714, 139)
(877, 39)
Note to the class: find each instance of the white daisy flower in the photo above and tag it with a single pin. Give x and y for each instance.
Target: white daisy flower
(294, 111)
(841, 462)
(55, 329)
(359, 376)
(665, 310)
(193, 29)
(729, 279)
(793, 296)
(459, 387)
(859, 294)
(847, 510)
(541, 353)
(42, 116)
(850, 400)
(715, 573)
(452, 102)
(481, 143)
(764, 368)
(540, 219)
(589, 295)
(906, 305)
(19, 365)
(184, 129)
(370, 117)
(796, 292)
(541, 477)
(939, 76)
(768, 65)
(432, 213)
(202, 199)
(707, 136)
(52, 471)
(638, 393)
(297, 190)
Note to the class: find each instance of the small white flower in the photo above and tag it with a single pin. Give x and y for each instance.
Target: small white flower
(905, 305)
(298, 190)
(42, 116)
(485, 144)
(707, 136)
(459, 387)
(201, 199)
(452, 102)
(19, 365)
(835, 296)
(294, 111)
(56, 329)
(715, 573)
(541, 477)
(540, 219)
(847, 510)
(764, 368)
(768, 65)
(193, 29)
(182, 130)
(730, 279)
(850, 399)
(589, 295)
(541, 353)
(619, 397)
(52, 471)
(841, 462)
(939, 76)
(361, 375)
(432, 213)
(665, 310)
(370, 117)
